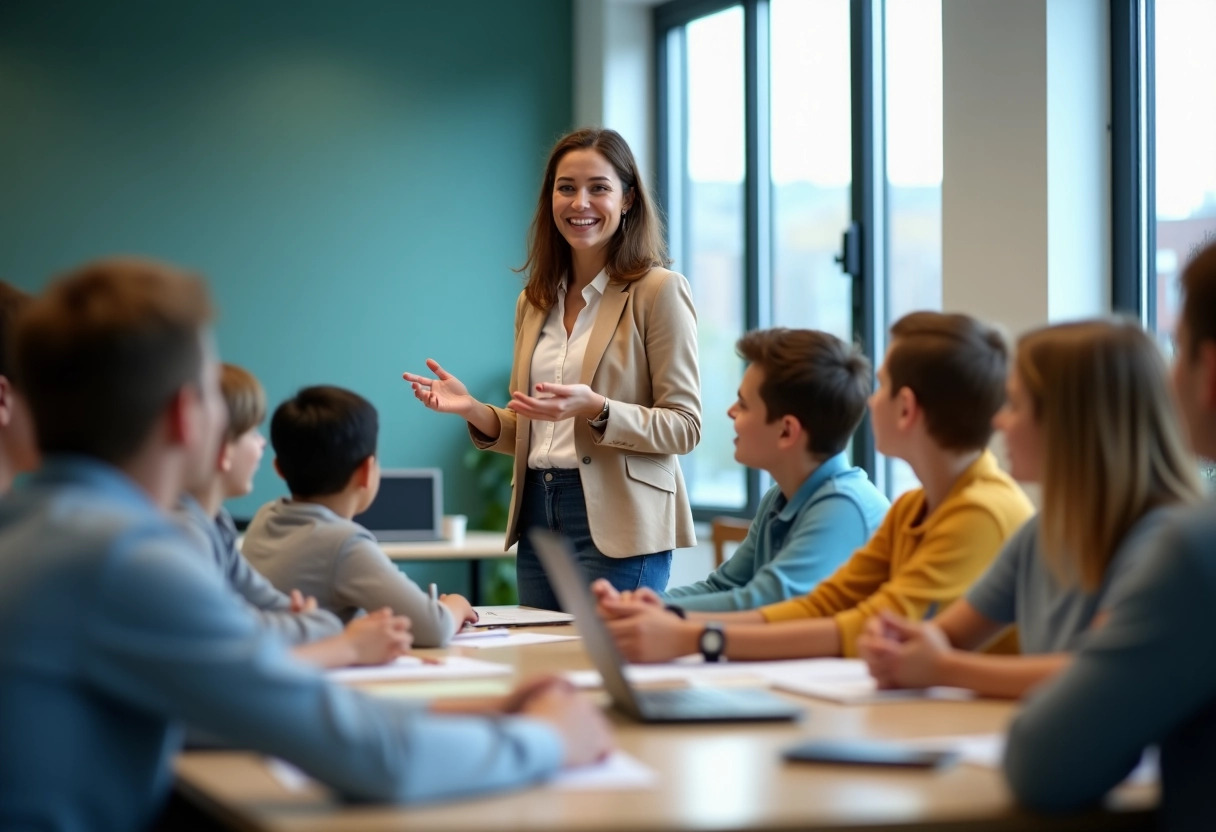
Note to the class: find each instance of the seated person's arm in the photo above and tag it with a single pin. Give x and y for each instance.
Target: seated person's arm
(812, 551)
(1136, 681)
(365, 577)
(275, 609)
(911, 654)
(185, 648)
(375, 638)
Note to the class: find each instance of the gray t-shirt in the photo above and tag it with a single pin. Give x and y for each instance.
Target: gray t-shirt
(1019, 588)
(306, 546)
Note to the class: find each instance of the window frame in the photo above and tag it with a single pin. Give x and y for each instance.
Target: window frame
(867, 191)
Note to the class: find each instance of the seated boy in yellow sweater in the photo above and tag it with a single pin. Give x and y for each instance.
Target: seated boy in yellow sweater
(942, 382)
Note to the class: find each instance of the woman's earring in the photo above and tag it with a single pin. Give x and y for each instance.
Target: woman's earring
(623, 213)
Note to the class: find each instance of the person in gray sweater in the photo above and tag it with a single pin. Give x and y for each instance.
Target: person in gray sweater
(324, 440)
(1149, 676)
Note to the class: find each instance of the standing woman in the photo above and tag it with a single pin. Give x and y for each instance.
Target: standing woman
(605, 386)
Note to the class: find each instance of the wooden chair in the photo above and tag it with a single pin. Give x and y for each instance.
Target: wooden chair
(725, 530)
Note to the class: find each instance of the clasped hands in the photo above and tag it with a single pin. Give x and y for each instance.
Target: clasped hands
(901, 653)
(552, 403)
(642, 627)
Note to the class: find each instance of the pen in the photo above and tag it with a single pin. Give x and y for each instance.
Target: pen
(931, 611)
(434, 592)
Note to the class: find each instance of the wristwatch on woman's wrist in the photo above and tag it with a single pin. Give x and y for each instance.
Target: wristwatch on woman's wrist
(603, 416)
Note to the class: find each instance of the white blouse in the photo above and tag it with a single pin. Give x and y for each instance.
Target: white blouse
(559, 360)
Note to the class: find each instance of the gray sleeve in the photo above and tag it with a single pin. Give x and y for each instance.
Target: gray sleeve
(1136, 681)
(365, 577)
(995, 594)
(186, 649)
(274, 608)
(1132, 556)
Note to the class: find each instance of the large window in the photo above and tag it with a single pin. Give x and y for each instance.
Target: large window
(1163, 139)
(786, 125)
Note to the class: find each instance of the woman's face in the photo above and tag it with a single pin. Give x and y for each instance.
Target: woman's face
(1023, 437)
(588, 199)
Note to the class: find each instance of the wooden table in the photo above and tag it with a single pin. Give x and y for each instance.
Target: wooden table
(722, 777)
(476, 547)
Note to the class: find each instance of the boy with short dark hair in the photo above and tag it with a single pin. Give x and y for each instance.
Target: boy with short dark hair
(18, 452)
(324, 440)
(112, 634)
(1148, 677)
(317, 634)
(802, 395)
(941, 383)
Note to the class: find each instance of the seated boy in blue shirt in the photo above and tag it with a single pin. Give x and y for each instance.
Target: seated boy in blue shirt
(324, 441)
(112, 635)
(1148, 677)
(17, 450)
(802, 396)
(318, 636)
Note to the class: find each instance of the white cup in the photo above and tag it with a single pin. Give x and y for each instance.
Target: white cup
(454, 526)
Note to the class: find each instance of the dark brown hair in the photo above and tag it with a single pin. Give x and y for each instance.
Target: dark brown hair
(955, 365)
(12, 301)
(103, 350)
(638, 245)
(1199, 302)
(245, 399)
(815, 377)
(321, 436)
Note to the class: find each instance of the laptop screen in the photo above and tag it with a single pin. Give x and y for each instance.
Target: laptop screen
(409, 505)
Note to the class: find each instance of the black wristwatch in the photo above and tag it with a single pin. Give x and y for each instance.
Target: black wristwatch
(712, 641)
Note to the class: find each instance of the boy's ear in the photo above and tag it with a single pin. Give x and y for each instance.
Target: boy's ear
(792, 433)
(223, 462)
(365, 471)
(907, 408)
(278, 470)
(180, 424)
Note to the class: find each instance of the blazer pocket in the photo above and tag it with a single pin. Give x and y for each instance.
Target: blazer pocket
(644, 469)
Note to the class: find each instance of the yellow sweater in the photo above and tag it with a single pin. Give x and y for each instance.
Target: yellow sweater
(913, 561)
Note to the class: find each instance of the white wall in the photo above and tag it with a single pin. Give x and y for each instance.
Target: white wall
(1026, 193)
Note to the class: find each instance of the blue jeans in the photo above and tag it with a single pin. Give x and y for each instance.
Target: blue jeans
(553, 499)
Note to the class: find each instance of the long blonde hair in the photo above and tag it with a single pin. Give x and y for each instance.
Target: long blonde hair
(1113, 448)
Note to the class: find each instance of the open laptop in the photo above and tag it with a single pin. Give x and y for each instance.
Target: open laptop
(675, 705)
(409, 506)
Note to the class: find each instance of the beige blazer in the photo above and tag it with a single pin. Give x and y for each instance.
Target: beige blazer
(642, 356)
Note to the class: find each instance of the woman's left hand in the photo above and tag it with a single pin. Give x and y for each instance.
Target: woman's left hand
(560, 401)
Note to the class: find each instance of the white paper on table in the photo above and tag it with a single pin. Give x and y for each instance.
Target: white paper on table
(412, 667)
(988, 751)
(847, 691)
(516, 616)
(694, 670)
(619, 771)
(476, 639)
(289, 777)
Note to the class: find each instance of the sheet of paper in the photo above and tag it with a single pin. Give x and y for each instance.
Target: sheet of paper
(619, 771)
(988, 751)
(440, 689)
(512, 616)
(412, 667)
(289, 777)
(513, 640)
(694, 670)
(849, 691)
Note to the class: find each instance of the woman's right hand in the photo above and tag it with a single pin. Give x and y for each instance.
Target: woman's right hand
(445, 393)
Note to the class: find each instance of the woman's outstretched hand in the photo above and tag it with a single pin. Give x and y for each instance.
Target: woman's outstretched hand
(445, 393)
(555, 402)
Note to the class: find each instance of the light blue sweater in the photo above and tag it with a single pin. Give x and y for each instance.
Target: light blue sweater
(793, 545)
(112, 635)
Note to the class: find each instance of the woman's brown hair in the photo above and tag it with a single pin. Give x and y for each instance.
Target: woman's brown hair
(635, 249)
(1113, 448)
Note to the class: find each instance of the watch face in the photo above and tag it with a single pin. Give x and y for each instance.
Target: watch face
(712, 641)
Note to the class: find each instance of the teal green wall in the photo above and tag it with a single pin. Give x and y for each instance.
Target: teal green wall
(355, 179)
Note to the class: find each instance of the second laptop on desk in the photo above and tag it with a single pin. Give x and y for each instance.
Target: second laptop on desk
(678, 705)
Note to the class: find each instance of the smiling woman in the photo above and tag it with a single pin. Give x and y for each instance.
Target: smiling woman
(605, 388)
